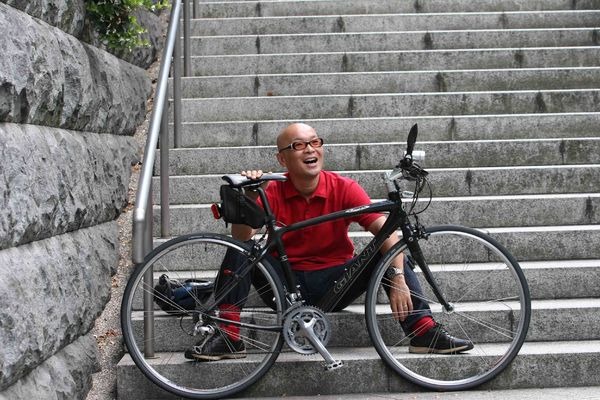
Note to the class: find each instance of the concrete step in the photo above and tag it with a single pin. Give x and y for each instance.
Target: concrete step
(229, 9)
(389, 105)
(407, 60)
(551, 320)
(446, 182)
(371, 375)
(439, 154)
(392, 82)
(395, 22)
(395, 129)
(566, 392)
(385, 41)
(540, 243)
(481, 211)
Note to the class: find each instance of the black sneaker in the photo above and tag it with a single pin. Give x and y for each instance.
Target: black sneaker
(217, 347)
(438, 341)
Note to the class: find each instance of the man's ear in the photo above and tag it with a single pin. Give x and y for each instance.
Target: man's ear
(281, 160)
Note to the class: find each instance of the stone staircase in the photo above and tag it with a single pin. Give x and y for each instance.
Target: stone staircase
(506, 96)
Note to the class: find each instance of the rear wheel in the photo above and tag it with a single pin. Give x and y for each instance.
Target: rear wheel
(199, 257)
(490, 303)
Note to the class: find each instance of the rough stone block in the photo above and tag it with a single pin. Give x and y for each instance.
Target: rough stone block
(70, 17)
(67, 15)
(53, 181)
(68, 84)
(66, 375)
(52, 291)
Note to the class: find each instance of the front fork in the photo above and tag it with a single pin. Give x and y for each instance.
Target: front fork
(412, 234)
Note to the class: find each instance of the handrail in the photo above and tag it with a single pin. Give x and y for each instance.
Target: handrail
(159, 128)
(142, 214)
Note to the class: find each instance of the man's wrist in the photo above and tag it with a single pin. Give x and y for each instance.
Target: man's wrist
(393, 272)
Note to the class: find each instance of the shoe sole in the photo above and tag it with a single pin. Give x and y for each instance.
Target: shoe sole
(428, 350)
(217, 357)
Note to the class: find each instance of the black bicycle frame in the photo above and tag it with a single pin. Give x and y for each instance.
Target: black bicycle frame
(396, 218)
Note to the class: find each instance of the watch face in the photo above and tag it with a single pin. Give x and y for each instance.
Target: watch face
(390, 273)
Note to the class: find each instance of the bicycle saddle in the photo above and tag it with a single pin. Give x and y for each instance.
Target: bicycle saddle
(238, 180)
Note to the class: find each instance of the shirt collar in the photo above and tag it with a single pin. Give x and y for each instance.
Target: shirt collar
(290, 191)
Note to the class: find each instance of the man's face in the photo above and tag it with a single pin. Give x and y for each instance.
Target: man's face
(305, 163)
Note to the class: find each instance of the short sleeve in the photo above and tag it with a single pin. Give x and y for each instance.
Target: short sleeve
(356, 196)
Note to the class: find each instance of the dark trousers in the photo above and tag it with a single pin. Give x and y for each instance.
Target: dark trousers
(315, 284)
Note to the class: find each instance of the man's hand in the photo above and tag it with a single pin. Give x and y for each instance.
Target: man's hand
(400, 300)
(252, 173)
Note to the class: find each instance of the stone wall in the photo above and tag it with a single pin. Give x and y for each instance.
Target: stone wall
(68, 110)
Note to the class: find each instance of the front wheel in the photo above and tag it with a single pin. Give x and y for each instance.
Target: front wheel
(490, 306)
(159, 327)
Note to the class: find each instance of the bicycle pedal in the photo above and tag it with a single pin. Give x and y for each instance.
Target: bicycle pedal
(334, 365)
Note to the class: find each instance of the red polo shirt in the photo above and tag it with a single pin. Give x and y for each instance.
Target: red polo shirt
(327, 244)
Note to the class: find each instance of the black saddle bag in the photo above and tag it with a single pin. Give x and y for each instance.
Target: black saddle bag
(237, 208)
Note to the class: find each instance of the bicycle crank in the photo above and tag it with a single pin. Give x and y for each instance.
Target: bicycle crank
(306, 330)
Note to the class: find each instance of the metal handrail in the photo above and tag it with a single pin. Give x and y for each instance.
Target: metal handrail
(159, 128)
(142, 215)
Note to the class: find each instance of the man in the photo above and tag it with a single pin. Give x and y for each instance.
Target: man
(308, 192)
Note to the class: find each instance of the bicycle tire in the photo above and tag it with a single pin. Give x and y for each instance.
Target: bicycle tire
(199, 256)
(491, 307)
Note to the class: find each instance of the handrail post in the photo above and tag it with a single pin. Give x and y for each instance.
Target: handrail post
(148, 283)
(186, 38)
(165, 230)
(177, 91)
(195, 8)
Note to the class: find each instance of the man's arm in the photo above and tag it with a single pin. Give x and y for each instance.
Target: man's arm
(242, 232)
(400, 300)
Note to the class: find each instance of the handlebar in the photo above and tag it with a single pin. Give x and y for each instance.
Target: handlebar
(407, 168)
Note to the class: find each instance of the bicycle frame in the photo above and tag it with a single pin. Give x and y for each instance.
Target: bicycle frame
(395, 219)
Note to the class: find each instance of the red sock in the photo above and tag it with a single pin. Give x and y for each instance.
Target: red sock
(422, 326)
(232, 313)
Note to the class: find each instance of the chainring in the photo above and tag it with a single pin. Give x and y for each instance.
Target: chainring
(300, 318)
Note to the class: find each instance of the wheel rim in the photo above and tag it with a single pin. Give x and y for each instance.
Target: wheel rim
(199, 258)
(491, 308)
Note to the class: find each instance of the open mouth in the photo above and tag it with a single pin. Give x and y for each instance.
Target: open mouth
(310, 161)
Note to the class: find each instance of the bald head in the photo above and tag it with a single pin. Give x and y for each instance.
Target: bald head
(293, 131)
(303, 162)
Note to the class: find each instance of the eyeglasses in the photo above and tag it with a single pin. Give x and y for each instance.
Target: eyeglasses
(300, 145)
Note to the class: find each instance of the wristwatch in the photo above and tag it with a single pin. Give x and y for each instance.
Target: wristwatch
(393, 272)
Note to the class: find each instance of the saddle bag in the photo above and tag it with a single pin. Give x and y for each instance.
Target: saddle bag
(237, 208)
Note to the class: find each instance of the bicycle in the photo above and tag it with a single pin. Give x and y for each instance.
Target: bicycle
(472, 283)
